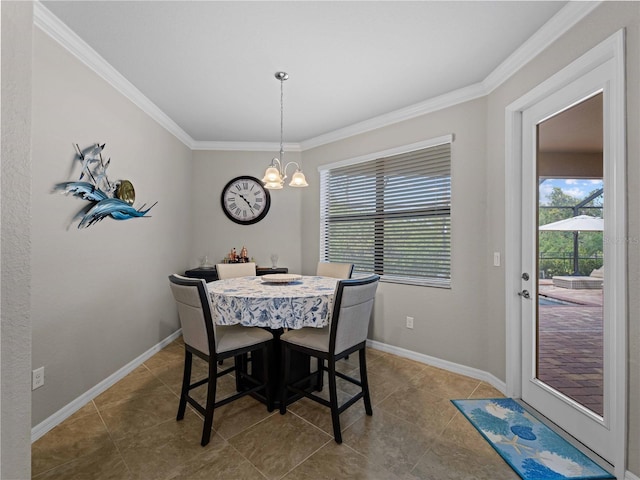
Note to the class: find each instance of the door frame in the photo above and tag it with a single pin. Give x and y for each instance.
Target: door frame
(610, 50)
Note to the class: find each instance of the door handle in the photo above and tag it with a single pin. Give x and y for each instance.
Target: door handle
(524, 294)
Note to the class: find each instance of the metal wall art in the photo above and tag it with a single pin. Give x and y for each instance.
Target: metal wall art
(107, 198)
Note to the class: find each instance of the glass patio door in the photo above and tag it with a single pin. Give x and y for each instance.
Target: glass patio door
(564, 348)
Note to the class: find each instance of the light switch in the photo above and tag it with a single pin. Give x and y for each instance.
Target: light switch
(496, 259)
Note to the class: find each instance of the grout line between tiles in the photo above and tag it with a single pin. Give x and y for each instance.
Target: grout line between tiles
(112, 439)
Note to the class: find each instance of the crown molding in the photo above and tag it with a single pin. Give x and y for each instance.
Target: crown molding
(567, 17)
(560, 23)
(56, 29)
(428, 106)
(557, 26)
(245, 146)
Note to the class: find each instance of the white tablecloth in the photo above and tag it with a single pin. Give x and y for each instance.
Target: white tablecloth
(250, 301)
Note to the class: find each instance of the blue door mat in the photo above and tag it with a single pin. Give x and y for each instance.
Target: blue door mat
(533, 450)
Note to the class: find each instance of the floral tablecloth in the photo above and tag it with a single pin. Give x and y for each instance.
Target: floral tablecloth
(253, 302)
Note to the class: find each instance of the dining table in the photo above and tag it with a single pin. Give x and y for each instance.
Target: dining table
(275, 302)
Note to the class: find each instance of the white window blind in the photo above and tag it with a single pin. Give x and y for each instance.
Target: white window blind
(391, 216)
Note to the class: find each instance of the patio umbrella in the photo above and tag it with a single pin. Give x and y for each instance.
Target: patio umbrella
(581, 223)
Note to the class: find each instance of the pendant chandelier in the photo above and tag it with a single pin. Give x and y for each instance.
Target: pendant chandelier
(276, 173)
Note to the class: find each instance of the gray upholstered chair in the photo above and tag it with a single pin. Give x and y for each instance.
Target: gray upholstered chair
(213, 343)
(352, 307)
(336, 270)
(234, 270)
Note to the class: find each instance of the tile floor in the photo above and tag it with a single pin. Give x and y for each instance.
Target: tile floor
(130, 432)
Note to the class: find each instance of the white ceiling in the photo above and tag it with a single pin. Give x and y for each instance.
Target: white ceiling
(209, 66)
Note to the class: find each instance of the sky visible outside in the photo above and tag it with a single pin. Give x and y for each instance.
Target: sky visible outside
(578, 188)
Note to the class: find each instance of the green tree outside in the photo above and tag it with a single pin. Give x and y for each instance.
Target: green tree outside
(556, 247)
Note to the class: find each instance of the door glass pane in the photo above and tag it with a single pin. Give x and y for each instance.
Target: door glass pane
(569, 355)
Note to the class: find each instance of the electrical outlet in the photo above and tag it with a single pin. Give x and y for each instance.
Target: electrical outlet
(409, 322)
(37, 378)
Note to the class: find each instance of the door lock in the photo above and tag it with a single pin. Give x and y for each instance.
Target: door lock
(525, 276)
(524, 294)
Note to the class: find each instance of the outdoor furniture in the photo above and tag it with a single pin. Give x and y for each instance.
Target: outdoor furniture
(593, 281)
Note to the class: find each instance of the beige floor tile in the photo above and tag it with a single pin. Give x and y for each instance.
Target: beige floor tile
(462, 433)
(220, 462)
(81, 434)
(154, 453)
(393, 368)
(233, 418)
(139, 381)
(335, 461)
(418, 406)
(445, 384)
(388, 440)
(172, 354)
(279, 443)
(140, 412)
(105, 464)
(484, 390)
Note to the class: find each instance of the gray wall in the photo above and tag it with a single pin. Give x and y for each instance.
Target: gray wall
(449, 324)
(15, 242)
(215, 235)
(102, 296)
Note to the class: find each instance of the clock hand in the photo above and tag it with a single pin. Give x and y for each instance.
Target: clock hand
(242, 197)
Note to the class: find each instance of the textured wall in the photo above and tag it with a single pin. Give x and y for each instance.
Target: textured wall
(15, 243)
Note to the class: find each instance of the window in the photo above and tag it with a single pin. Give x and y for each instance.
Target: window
(390, 213)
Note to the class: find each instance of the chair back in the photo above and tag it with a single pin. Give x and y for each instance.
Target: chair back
(234, 270)
(335, 270)
(352, 307)
(194, 309)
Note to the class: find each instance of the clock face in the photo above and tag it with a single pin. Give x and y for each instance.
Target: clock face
(245, 200)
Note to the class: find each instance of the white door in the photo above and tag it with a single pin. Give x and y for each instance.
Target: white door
(583, 409)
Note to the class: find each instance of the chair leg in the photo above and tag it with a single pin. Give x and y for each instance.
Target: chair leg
(186, 380)
(268, 391)
(320, 379)
(211, 400)
(365, 382)
(286, 367)
(333, 400)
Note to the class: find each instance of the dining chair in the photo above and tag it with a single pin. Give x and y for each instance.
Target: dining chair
(336, 270)
(211, 342)
(347, 333)
(234, 270)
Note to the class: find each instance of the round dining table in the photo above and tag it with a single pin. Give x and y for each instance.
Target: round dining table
(305, 301)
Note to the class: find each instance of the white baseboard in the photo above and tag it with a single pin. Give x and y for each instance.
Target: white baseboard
(630, 476)
(444, 364)
(69, 409)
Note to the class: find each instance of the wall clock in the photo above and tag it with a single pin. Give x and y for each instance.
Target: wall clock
(245, 200)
